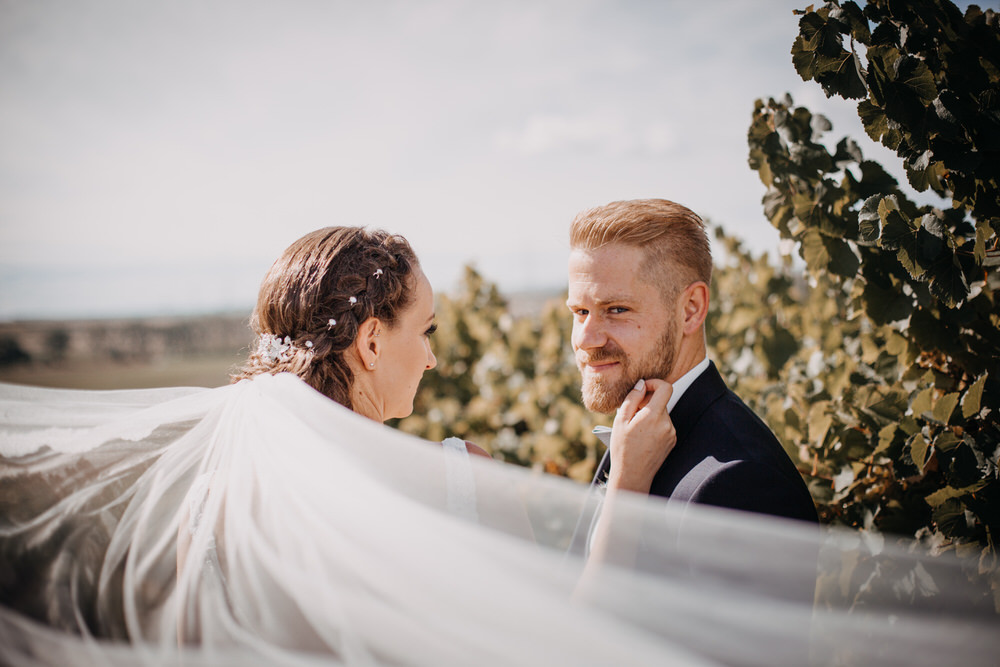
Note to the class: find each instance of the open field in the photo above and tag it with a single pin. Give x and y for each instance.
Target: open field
(123, 354)
(196, 371)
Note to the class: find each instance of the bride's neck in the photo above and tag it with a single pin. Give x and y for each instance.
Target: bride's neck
(364, 402)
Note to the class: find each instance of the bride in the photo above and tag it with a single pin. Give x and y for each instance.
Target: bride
(276, 520)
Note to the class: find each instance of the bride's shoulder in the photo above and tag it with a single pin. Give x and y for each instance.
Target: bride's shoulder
(475, 449)
(463, 446)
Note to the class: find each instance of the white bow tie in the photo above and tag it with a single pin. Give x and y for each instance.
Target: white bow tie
(603, 434)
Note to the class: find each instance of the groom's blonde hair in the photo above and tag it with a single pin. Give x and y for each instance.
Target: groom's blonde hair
(674, 238)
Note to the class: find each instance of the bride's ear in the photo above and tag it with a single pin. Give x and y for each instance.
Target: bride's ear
(368, 344)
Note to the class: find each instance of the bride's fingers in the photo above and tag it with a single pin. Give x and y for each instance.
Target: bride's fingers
(631, 404)
(657, 394)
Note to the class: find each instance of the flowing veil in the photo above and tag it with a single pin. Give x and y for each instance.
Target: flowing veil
(263, 523)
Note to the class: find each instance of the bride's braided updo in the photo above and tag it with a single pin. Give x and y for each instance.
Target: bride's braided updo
(316, 295)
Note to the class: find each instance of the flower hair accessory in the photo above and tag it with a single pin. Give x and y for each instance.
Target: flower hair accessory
(352, 300)
(377, 274)
(331, 323)
(274, 348)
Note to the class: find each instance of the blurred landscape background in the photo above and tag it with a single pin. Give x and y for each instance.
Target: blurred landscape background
(140, 352)
(123, 353)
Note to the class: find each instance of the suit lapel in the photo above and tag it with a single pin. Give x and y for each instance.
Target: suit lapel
(601, 476)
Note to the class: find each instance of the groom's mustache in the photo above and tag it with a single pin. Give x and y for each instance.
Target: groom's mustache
(609, 352)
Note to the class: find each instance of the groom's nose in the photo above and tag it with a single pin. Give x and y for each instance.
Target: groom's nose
(589, 333)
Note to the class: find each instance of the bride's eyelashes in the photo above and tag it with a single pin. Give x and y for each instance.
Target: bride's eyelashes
(431, 329)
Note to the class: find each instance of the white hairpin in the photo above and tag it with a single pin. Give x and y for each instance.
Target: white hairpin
(274, 348)
(352, 300)
(331, 323)
(378, 272)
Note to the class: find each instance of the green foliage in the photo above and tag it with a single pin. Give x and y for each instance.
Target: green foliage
(896, 400)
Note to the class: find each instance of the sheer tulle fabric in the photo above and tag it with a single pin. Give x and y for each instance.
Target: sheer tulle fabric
(261, 522)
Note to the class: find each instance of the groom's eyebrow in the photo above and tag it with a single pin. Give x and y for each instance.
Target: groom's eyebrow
(601, 301)
(614, 298)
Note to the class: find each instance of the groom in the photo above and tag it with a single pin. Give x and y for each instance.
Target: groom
(639, 273)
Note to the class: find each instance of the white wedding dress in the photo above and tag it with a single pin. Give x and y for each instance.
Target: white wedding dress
(261, 523)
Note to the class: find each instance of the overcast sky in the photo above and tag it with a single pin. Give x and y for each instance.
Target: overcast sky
(157, 156)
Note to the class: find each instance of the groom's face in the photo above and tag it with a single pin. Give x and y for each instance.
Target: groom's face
(624, 328)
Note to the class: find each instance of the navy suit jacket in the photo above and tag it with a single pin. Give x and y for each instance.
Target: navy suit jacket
(726, 456)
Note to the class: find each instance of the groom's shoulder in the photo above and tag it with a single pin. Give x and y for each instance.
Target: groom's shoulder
(727, 412)
(733, 454)
(720, 425)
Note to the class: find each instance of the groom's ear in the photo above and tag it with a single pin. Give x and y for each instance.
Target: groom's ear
(368, 343)
(694, 307)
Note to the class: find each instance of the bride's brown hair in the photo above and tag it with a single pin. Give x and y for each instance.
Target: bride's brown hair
(318, 293)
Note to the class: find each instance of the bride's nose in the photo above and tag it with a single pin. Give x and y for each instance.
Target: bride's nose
(431, 359)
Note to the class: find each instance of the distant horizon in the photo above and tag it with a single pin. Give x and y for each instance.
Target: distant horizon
(132, 304)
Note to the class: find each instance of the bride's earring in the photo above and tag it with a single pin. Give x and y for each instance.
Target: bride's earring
(371, 364)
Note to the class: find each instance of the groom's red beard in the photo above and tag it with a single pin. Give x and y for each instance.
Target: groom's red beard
(604, 394)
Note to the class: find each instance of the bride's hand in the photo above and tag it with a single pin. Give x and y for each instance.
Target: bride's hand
(642, 436)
